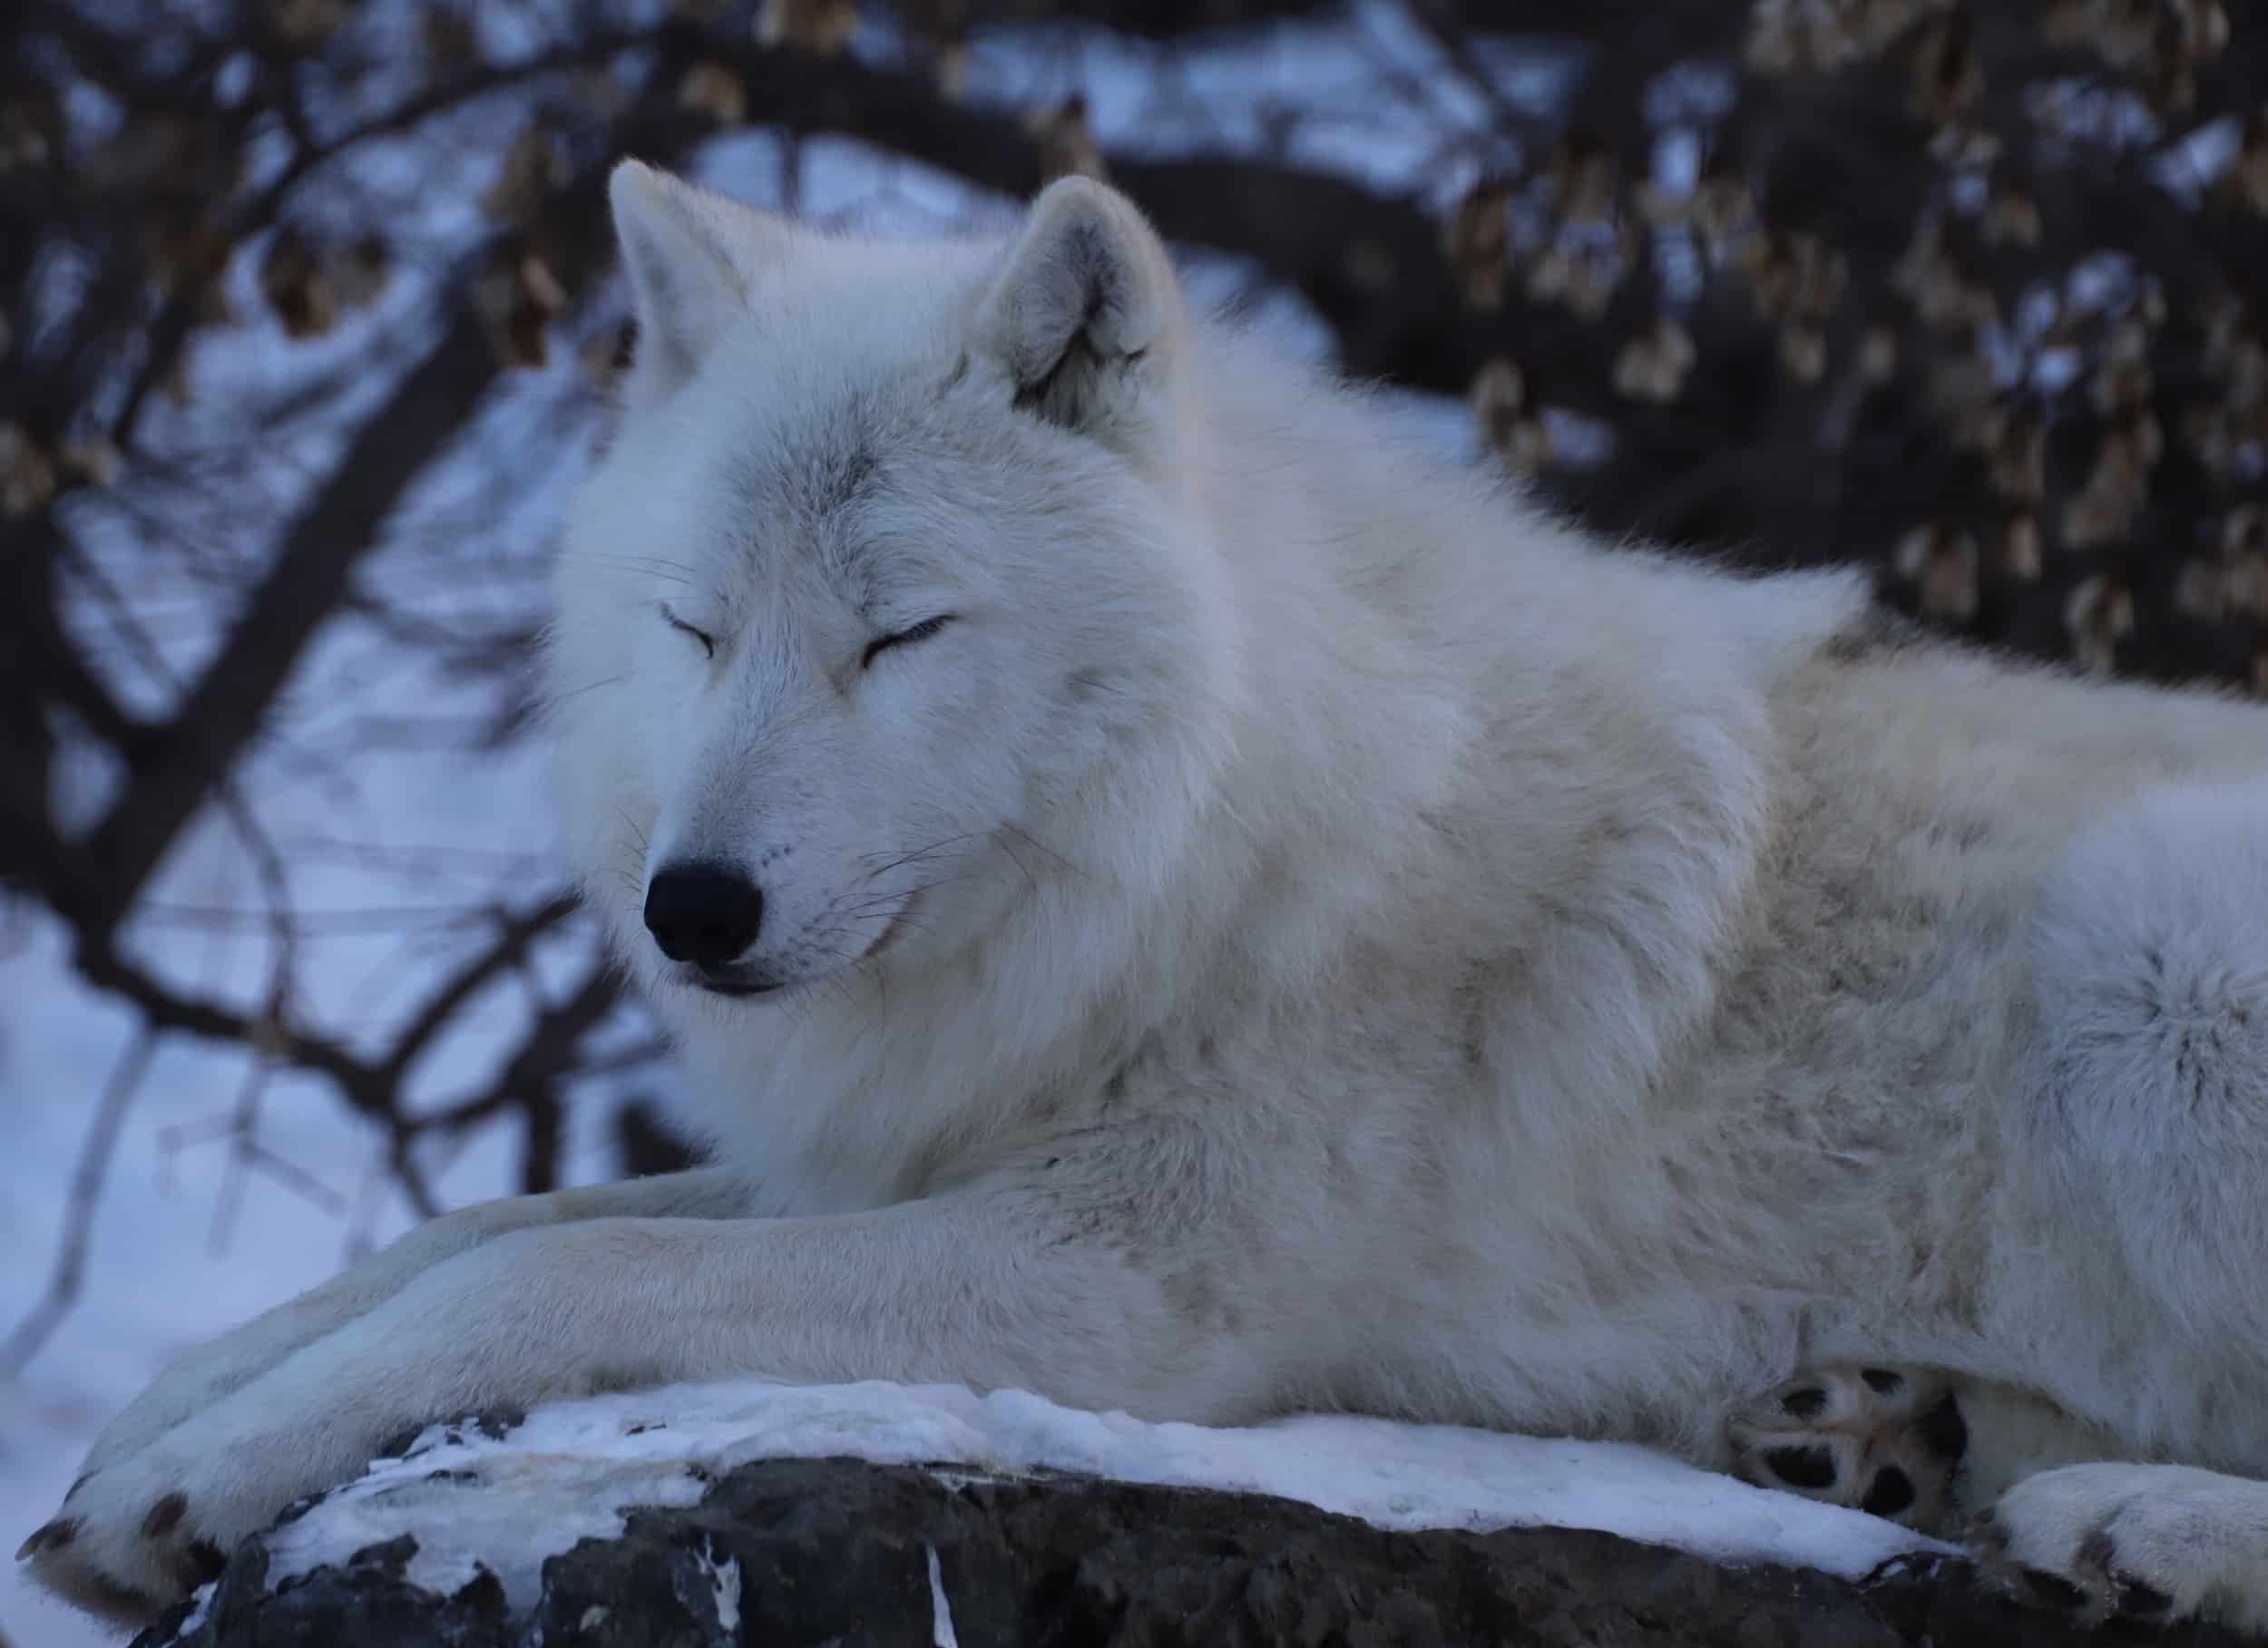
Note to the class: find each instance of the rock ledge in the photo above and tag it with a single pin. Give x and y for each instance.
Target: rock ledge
(790, 1551)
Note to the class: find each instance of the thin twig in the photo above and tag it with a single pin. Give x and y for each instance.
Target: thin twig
(87, 1190)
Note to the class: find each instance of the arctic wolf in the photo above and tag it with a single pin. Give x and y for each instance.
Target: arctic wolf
(1174, 899)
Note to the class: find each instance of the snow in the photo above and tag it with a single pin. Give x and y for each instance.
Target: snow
(724, 1590)
(200, 1610)
(475, 1502)
(940, 1633)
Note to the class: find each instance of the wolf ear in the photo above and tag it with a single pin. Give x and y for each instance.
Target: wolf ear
(1086, 309)
(692, 258)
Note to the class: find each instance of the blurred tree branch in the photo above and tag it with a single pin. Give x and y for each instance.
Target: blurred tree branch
(87, 1190)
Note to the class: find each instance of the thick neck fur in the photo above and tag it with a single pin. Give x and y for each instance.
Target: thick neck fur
(1346, 746)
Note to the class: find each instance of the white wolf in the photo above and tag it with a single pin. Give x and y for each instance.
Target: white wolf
(1175, 900)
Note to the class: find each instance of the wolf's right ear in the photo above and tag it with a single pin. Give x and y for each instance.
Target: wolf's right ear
(692, 258)
(1086, 311)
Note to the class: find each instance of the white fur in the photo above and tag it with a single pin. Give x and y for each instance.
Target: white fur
(1314, 931)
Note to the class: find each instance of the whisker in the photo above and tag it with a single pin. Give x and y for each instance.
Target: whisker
(673, 571)
(1029, 839)
(576, 692)
(918, 855)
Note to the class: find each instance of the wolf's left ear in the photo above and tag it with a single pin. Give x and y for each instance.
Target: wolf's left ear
(1086, 310)
(692, 256)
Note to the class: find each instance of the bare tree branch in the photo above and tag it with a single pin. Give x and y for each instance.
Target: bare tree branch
(86, 1191)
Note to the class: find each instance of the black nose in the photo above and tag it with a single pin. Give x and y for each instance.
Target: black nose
(702, 912)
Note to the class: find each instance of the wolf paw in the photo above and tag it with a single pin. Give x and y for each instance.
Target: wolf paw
(136, 1536)
(1882, 1440)
(2151, 1543)
(138, 1533)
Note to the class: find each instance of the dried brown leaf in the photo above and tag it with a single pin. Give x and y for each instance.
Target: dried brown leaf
(823, 26)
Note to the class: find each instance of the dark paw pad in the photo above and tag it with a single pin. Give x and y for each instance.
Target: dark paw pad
(1889, 1493)
(200, 1562)
(52, 1537)
(2052, 1590)
(1802, 1467)
(1808, 1403)
(2138, 1600)
(1942, 1430)
(162, 1515)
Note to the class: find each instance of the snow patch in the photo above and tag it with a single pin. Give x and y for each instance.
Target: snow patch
(940, 1606)
(503, 1505)
(724, 1588)
(200, 1605)
(521, 1507)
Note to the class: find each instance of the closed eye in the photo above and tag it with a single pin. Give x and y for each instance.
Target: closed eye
(707, 641)
(906, 637)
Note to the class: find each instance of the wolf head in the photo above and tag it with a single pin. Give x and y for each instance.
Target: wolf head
(891, 599)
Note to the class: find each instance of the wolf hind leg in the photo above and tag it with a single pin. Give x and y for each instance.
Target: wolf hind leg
(2144, 1114)
(2054, 1517)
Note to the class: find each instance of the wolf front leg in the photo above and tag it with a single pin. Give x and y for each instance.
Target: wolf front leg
(200, 1378)
(2152, 1543)
(976, 1290)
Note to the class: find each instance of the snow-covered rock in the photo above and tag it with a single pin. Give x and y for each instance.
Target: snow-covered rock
(874, 1513)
